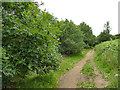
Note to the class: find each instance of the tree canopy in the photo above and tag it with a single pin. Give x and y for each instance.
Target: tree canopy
(105, 35)
(71, 38)
(89, 38)
(30, 39)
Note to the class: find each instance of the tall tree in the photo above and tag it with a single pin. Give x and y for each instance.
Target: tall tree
(105, 35)
(30, 40)
(71, 38)
(89, 38)
(107, 27)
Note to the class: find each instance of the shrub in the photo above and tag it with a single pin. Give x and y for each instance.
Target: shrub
(29, 40)
(71, 38)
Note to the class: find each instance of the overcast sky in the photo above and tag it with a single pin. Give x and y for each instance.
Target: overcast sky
(93, 12)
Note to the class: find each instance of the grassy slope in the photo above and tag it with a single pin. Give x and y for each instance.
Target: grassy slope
(50, 80)
(106, 59)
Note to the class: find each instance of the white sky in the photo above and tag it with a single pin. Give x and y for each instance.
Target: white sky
(93, 12)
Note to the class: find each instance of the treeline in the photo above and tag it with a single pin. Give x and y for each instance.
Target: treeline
(33, 40)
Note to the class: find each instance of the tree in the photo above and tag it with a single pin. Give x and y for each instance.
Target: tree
(30, 40)
(107, 27)
(89, 38)
(117, 36)
(105, 35)
(71, 38)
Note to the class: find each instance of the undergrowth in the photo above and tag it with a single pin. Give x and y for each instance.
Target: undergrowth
(106, 59)
(88, 69)
(86, 85)
(50, 80)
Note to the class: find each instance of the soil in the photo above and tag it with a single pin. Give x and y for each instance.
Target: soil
(73, 76)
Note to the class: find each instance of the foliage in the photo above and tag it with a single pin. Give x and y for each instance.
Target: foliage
(50, 80)
(30, 40)
(71, 38)
(105, 35)
(106, 59)
(117, 36)
(89, 38)
(47, 80)
(69, 61)
(86, 85)
(88, 69)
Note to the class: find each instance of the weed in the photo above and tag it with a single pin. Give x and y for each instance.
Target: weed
(106, 59)
(88, 69)
(86, 85)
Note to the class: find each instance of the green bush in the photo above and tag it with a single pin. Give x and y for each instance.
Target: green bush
(71, 38)
(88, 38)
(47, 80)
(50, 80)
(30, 40)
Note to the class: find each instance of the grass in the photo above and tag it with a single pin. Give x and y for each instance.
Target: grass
(86, 85)
(38, 81)
(106, 59)
(88, 69)
(69, 61)
(50, 80)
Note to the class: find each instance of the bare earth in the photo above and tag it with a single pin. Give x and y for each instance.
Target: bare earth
(73, 76)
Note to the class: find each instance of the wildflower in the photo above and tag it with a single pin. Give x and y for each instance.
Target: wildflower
(116, 75)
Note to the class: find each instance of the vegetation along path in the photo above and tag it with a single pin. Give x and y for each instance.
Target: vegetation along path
(72, 77)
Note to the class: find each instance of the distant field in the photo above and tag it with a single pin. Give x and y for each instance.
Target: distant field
(106, 59)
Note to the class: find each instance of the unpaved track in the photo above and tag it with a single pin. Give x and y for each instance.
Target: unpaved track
(99, 81)
(72, 77)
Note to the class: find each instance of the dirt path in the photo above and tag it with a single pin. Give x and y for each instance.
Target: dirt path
(72, 77)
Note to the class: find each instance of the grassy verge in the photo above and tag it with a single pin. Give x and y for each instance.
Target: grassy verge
(106, 59)
(50, 80)
(86, 85)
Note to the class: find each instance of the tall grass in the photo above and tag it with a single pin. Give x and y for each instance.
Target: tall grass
(106, 59)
